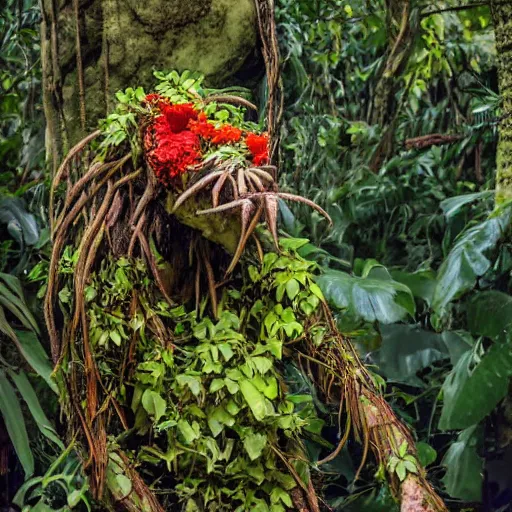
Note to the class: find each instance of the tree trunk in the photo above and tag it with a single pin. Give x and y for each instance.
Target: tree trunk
(502, 16)
(385, 108)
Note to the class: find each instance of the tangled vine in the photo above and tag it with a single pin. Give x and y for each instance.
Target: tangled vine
(170, 338)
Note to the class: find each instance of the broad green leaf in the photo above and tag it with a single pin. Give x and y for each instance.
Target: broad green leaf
(371, 299)
(473, 389)
(426, 454)
(15, 424)
(452, 205)
(255, 400)
(422, 284)
(407, 349)
(21, 224)
(193, 383)
(188, 431)
(29, 395)
(457, 343)
(464, 468)
(11, 297)
(35, 355)
(467, 260)
(292, 288)
(490, 314)
(254, 444)
(262, 364)
(153, 404)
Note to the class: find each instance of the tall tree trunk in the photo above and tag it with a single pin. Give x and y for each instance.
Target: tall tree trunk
(385, 108)
(502, 17)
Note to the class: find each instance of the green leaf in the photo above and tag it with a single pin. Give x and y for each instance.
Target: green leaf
(401, 471)
(426, 454)
(262, 364)
(11, 297)
(254, 444)
(193, 383)
(29, 395)
(226, 351)
(35, 355)
(292, 288)
(369, 298)
(464, 468)
(422, 283)
(21, 224)
(452, 205)
(15, 424)
(467, 261)
(490, 314)
(473, 389)
(255, 400)
(188, 431)
(407, 349)
(153, 404)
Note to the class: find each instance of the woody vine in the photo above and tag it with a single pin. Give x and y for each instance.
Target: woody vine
(173, 312)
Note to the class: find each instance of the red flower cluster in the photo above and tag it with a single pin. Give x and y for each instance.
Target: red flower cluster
(170, 147)
(258, 146)
(172, 141)
(226, 134)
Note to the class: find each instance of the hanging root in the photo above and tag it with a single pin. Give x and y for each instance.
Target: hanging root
(93, 203)
(342, 377)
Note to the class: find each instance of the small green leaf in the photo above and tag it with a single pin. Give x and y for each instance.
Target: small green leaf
(292, 288)
(254, 444)
(154, 404)
(255, 400)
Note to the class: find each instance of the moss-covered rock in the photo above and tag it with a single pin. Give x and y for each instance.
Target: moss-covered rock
(123, 41)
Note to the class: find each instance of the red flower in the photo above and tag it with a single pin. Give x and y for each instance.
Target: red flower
(152, 98)
(258, 146)
(202, 127)
(168, 153)
(178, 116)
(227, 134)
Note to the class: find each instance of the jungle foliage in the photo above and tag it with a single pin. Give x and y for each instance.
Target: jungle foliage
(417, 265)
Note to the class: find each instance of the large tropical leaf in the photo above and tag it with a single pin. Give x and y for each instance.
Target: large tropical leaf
(490, 314)
(464, 468)
(12, 299)
(422, 283)
(467, 260)
(474, 388)
(15, 424)
(21, 224)
(407, 349)
(452, 205)
(369, 298)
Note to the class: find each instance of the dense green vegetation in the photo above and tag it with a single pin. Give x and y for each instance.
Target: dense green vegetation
(417, 268)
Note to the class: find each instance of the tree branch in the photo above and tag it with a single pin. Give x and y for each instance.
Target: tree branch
(454, 8)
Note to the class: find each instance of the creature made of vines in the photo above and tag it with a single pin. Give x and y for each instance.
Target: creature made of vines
(169, 345)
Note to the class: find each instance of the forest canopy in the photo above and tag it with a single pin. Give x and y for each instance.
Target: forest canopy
(256, 255)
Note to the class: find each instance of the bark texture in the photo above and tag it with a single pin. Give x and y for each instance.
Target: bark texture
(502, 17)
(93, 48)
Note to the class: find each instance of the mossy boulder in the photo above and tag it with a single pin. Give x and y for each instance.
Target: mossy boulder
(123, 41)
